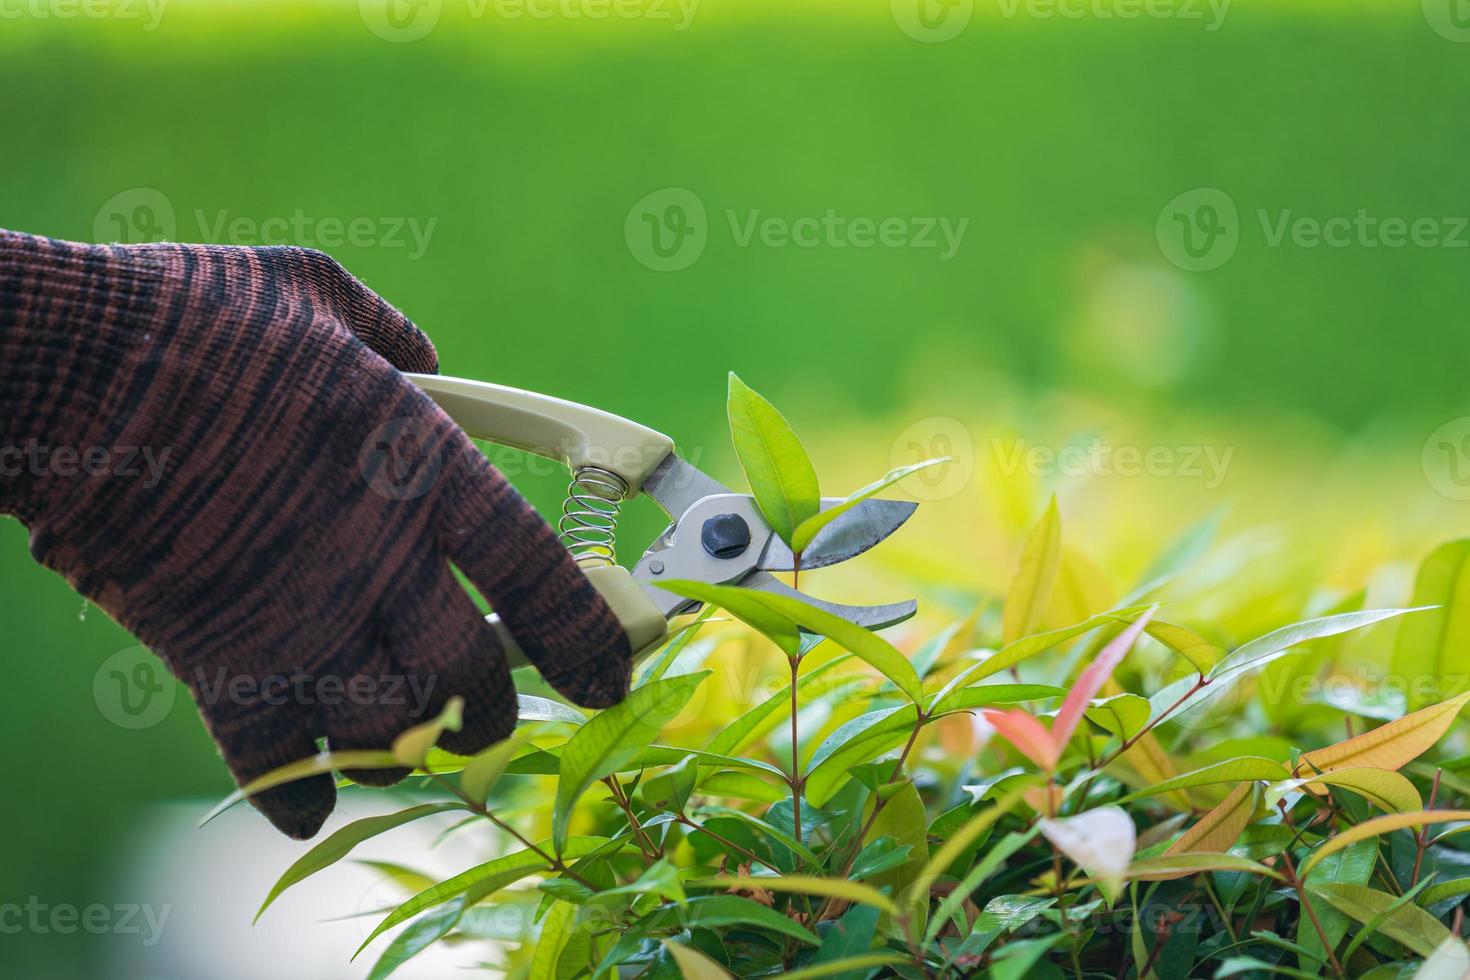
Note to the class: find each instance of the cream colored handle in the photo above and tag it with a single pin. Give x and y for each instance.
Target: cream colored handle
(640, 618)
(574, 434)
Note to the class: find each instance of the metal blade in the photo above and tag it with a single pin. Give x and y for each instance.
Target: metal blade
(872, 617)
(850, 535)
(676, 485)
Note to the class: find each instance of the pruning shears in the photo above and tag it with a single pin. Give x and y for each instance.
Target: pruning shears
(717, 536)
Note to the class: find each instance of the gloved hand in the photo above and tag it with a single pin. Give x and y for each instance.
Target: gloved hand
(291, 560)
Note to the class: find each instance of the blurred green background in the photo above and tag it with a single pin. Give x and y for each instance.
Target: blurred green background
(523, 147)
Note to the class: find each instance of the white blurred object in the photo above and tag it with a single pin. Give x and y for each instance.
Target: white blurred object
(210, 881)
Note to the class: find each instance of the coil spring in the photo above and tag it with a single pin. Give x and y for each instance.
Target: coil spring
(589, 516)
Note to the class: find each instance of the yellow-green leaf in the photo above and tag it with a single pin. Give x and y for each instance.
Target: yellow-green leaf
(1030, 590)
(1218, 830)
(1384, 788)
(1408, 924)
(1246, 767)
(775, 462)
(858, 964)
(693, 964)
(853, 891)
(412, 747)
(1388, 746)
(1380, 825)
(480, 774)
(1123, 715)
(1168, 866)
(556, 933)
(1436, 643)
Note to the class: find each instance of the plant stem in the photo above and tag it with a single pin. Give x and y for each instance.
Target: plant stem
(553, 860)
(725, 842)
(797, 781)
(1301, 897)
(1421, 838)
(649, 849)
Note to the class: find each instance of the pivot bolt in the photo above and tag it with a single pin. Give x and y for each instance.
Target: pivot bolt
(725, 536)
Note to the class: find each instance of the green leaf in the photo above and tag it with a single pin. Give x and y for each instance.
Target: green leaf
(1246, 767)
(775, 462)
(713, 911)
(996, 854)
(670, 789)
(420, 934)
(741, 786)
(902, 818)
(480, 774)
(323, 763)
(853, 891)
(481, 880)
(412, 747)
(341, 843)
(1407, 924)
(939, 862)
(1123, 715)
(1436, 644)
(878, 855)
(1353, 866)
(613, 737)
(1437, 893)
(557, 930)
(1031, 587)
(1261, 651)
(864, 643)
(765, 827)
(743, 604)
(810, 527)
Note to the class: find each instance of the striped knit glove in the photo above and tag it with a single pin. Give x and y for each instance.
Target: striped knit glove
(287, 548)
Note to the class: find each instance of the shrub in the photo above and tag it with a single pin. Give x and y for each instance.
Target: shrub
(1130, 795)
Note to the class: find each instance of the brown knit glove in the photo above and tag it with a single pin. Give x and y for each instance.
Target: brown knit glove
(287, 551)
